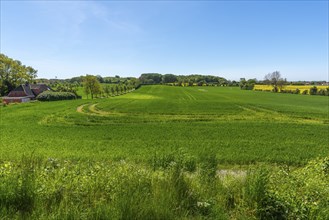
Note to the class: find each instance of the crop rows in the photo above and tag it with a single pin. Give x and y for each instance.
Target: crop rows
(241, 127)
(164, 152)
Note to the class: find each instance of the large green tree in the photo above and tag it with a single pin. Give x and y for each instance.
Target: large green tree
(169, 78)
(91, 85)
(14, 73)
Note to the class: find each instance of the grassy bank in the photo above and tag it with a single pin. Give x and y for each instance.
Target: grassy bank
(34, 188)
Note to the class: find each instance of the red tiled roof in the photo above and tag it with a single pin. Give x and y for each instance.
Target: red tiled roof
(28, 90)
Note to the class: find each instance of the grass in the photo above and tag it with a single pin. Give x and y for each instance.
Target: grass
(34, 188)
(164, 152)
(240, 127)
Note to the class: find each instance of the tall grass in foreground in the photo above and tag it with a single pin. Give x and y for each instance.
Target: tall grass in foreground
(34, 188)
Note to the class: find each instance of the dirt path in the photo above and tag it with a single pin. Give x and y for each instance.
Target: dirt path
(80, 108)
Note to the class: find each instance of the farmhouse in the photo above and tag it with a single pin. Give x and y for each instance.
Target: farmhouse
(25, 93)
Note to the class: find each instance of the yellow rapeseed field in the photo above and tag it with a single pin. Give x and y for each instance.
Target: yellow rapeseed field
(289, 87)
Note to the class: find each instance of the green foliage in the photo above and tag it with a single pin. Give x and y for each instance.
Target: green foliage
(274, 79)
(178, 157)
(258, 197)
(313, 90)
(55, 96)
(13, 73)
(232, 123)
(189, 80)
(54, 189)
(151, 78)
(324, 92)
(159, 152)
(67, 87)
(296, 91)
(35, 188)
(208, 163)
(303, 192)
(92, 86)
(169, 78)
(275, 89)
(247, 84)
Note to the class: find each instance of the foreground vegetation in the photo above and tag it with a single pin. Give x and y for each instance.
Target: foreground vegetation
(63, 189)
(164, 152)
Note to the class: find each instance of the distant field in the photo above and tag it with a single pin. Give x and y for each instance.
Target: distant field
(290, 87)
(239, 127)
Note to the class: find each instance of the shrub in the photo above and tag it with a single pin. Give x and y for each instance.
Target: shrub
(321, 92)
(286, 91)
(275, 89)
(305, 92)
(313, 90)
(247, 86)
(55, 96)
(302, 193)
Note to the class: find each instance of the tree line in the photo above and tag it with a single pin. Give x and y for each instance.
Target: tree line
(277, 83)
(93, 87)
(274, 79)
(14, 73)
(185, 80)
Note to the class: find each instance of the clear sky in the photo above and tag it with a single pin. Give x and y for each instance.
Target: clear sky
(232, 39)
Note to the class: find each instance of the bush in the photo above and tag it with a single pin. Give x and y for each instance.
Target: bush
(247, 86)
(275, 89)
(302, 193)
(322, 92)
(313, 90)
(55, 96)
(286, 91)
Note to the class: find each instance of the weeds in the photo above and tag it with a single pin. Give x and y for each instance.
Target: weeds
(58, 189)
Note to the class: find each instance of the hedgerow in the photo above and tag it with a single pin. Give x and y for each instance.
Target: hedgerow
(294, 89)
(56, 96)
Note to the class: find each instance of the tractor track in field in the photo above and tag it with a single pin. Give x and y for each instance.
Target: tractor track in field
(80, 108)
(263, 113)
(255, 113)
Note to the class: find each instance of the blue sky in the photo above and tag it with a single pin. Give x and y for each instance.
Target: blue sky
(232, 39)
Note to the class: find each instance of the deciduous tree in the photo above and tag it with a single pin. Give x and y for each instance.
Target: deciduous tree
(91, 85)
(275, 80)
(14, 73)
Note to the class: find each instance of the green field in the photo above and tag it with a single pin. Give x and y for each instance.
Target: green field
(240, 127)
(165, 152)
